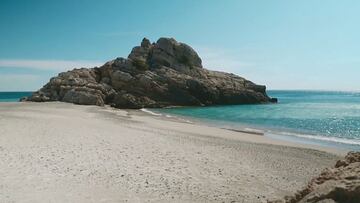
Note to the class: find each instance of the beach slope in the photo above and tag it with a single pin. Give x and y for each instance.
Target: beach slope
(60, 152)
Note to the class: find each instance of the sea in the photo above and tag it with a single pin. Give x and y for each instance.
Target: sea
(12, 96)
(325, 118)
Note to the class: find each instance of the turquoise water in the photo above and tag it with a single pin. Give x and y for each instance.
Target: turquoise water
(12, 96)
(320, 117)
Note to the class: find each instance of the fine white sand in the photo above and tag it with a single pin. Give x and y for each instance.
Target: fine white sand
(58, 152)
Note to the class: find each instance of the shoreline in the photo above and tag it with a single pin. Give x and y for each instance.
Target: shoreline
(80, 153)
(270, 137)
(297, 137)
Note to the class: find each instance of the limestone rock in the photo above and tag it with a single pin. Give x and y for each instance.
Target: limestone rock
(161, 74)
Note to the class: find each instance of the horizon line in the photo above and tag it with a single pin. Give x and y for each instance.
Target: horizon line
(314, 90)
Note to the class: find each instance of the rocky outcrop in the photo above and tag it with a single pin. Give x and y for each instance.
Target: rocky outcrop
(340, 184)
(157, 74)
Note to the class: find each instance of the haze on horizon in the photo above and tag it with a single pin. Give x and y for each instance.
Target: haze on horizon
(281, 44)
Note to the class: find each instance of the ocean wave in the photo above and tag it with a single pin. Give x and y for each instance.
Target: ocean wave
(165, 115)
(150, 112)
(323, 138)
(253, 130)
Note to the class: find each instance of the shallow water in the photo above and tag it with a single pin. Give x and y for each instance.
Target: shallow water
(326, 117)
(12, 96)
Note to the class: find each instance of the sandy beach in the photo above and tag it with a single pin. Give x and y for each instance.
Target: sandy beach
(59, 152)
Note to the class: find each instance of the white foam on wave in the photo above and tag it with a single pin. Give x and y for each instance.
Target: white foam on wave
(184, 120)
(323, 138)
(166, 115)
(150, 112)
(253, 130)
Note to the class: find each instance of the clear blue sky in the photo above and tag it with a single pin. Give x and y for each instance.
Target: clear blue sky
(308, 44)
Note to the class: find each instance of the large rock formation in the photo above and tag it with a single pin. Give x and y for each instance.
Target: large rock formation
(154, 75)
(340, 184)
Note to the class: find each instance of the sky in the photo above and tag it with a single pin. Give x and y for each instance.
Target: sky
(308, 44)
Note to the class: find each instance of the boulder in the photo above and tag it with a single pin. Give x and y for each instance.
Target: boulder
(120, 79)
(165, 73)
(130, 101)
(340, 184)
(170, 53)
(85, 97)
(141, 53)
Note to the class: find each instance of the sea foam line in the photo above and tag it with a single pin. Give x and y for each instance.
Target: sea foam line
(150, 112)
(166, 115)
